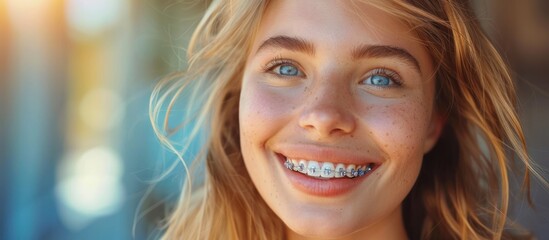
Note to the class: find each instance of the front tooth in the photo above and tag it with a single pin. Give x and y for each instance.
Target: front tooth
(351, 169)
(313, 169)
(327, 170)
(340, 170)
(302, 167)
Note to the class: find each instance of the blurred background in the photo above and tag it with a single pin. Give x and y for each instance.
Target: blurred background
(77, 152)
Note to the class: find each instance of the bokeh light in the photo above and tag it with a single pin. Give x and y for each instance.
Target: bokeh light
(90, 186)
(91, 17)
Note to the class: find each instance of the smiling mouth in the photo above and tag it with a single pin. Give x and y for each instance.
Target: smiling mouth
(327, 170)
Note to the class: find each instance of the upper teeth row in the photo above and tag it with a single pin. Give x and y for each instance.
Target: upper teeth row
(327, 169)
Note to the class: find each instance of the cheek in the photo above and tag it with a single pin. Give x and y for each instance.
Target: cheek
(400, 130)
(263, 112)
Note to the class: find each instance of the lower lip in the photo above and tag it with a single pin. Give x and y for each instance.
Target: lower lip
(322, 187)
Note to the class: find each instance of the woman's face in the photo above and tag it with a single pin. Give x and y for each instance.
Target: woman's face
(336, 113)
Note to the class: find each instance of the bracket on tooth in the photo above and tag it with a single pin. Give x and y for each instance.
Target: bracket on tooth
(342, 173)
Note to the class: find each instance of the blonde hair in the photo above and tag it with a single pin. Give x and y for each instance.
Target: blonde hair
(463, 188)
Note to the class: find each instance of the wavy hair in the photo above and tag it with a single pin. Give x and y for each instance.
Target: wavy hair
(463, 188)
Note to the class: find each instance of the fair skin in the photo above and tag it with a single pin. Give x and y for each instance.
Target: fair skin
(323, 84)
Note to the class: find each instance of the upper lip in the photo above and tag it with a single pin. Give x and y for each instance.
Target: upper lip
(325, 154)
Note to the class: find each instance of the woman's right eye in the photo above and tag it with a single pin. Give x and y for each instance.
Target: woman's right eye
(284, 68)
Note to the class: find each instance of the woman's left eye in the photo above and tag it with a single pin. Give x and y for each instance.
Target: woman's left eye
(378, 80)
(382, 78)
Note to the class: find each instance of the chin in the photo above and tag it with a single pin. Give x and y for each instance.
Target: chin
(325, 224)
(329, 229)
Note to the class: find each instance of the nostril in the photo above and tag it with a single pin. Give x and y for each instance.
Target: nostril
(337, 131)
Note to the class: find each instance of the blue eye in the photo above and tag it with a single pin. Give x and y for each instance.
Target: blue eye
(287, 70)
(382, 78)
(378, 80)
(284, 68)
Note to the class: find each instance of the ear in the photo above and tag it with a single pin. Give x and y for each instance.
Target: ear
(433, 132)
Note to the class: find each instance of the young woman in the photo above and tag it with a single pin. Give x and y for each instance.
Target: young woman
(346, 120)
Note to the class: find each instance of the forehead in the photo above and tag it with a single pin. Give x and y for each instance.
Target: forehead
(334, 25)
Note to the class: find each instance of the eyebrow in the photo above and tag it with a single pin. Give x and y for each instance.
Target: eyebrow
(290, 43)
(380, 51)
(362, 51)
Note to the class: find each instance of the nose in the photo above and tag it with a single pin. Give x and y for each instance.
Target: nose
(328, 113)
